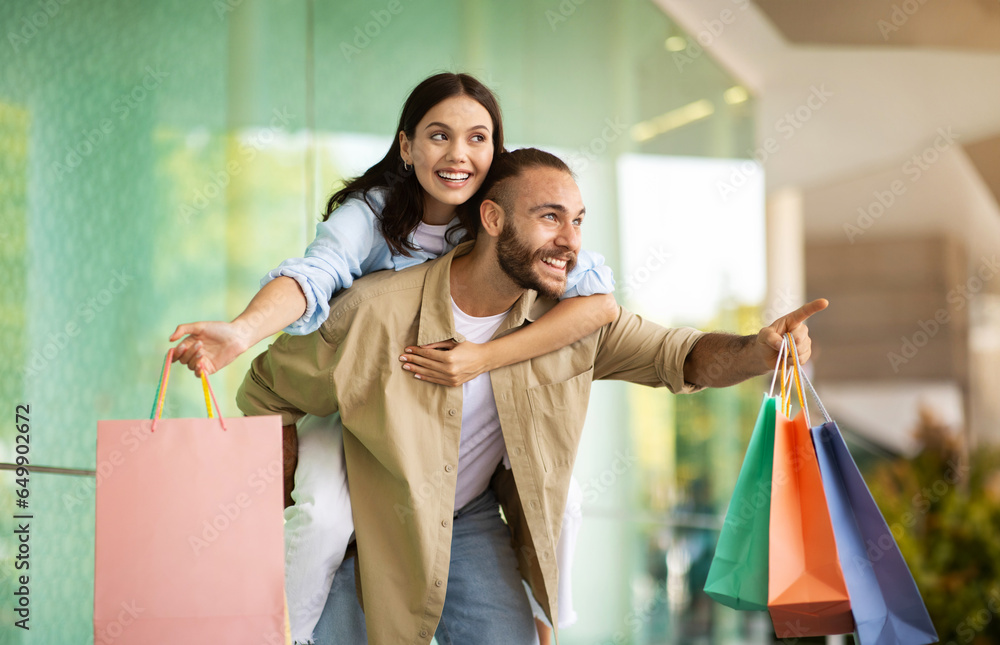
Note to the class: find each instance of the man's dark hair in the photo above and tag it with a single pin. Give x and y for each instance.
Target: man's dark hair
(498, 186)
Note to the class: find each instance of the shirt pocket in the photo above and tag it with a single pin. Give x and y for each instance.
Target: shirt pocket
(557, 414)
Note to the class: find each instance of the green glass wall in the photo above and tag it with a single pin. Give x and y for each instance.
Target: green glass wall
(157, 158)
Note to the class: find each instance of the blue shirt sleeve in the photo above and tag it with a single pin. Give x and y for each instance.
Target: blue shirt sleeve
(347, 246)
(590, 276)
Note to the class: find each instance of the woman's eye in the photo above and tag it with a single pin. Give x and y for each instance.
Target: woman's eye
(438, 136)
(479, 138)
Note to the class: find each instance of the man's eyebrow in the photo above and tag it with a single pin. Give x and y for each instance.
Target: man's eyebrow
(555, 207)
(448, 127)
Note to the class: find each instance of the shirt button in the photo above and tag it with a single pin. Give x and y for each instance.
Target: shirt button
(423, 633)
(533, 504)
(448, 468)
(517, 451)
(444, 523)
(438, 582)
(452, 412)
(545, 555)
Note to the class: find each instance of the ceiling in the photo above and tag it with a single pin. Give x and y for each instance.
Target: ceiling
(884, 105)
(958, 24)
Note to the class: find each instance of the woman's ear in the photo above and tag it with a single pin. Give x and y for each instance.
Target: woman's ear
(404, 148)
(491, 217)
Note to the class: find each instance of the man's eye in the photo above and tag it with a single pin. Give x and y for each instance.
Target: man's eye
(549, 215)
(578, 221)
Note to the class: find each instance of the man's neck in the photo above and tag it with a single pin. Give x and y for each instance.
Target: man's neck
(479, 287)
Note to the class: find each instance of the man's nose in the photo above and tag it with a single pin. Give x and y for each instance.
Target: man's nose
(569, 236)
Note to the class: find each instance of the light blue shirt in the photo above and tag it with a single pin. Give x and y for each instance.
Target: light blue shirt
(349, 245)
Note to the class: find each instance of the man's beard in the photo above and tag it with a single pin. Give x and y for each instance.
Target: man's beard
(518, 262)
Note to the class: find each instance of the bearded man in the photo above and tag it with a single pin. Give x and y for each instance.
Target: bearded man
(432, 553)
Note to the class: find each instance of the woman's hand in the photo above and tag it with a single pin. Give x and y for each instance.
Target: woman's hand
(447, 363)
(209, 346)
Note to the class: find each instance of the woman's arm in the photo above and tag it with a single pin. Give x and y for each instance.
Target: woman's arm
(566, 323)
(212, 345)
(296, 295)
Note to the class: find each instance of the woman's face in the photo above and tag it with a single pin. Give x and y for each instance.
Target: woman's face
(451, 152)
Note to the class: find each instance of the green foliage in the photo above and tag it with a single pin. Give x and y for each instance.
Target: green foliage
(944, 509)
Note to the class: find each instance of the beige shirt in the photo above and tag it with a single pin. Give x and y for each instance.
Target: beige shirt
(401, 435)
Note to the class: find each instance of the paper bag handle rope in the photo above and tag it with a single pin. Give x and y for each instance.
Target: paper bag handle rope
(779, 365)
(812, 390)
(161, 392)
(797, 372)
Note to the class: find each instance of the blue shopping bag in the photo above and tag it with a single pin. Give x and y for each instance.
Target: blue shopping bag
(885, 601)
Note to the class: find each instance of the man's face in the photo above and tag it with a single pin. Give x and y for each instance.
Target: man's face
(540, 239)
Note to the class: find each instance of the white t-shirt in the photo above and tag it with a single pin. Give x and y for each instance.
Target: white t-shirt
(430, 237)
(482, 446)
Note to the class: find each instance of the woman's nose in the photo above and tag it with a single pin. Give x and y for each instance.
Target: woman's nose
(457, 151)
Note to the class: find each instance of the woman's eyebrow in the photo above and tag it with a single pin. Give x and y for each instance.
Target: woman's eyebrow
(448, 127)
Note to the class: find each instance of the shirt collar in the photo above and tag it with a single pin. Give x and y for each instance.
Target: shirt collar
(436, 321)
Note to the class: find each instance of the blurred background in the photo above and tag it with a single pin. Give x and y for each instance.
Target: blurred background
(737, 159)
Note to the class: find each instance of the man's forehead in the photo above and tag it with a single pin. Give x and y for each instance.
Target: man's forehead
(540, 186)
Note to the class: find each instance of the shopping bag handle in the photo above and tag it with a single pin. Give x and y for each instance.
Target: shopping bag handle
(798, 377)
(779, 365)
(811, 390)
(161, 392)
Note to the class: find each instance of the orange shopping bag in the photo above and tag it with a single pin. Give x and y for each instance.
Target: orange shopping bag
(806, 595)
(189, 536)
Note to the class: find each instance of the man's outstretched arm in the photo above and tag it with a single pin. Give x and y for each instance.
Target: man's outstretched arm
(721, 360)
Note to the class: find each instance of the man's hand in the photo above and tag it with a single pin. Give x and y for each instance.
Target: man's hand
(769, 338)
(721, 360)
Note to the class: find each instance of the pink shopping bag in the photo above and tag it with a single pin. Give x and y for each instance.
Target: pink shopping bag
(189, 536)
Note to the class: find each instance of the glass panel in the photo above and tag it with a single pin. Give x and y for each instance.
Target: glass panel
(159, 159)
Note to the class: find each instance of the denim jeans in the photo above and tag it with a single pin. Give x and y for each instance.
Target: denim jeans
(485, 603)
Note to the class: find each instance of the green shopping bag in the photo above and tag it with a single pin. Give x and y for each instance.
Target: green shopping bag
(738, 575)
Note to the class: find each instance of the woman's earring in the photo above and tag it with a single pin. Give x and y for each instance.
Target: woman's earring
(407, 167)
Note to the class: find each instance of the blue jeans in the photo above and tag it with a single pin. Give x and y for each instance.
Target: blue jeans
(485, 603)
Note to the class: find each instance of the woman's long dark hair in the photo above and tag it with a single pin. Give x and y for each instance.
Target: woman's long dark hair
(404, 205)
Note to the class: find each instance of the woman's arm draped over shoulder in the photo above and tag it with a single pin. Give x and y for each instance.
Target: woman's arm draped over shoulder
(569, 321)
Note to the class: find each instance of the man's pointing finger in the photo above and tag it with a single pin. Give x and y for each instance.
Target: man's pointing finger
(801, 314)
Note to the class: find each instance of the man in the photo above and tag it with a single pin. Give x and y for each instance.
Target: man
(423, 567)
